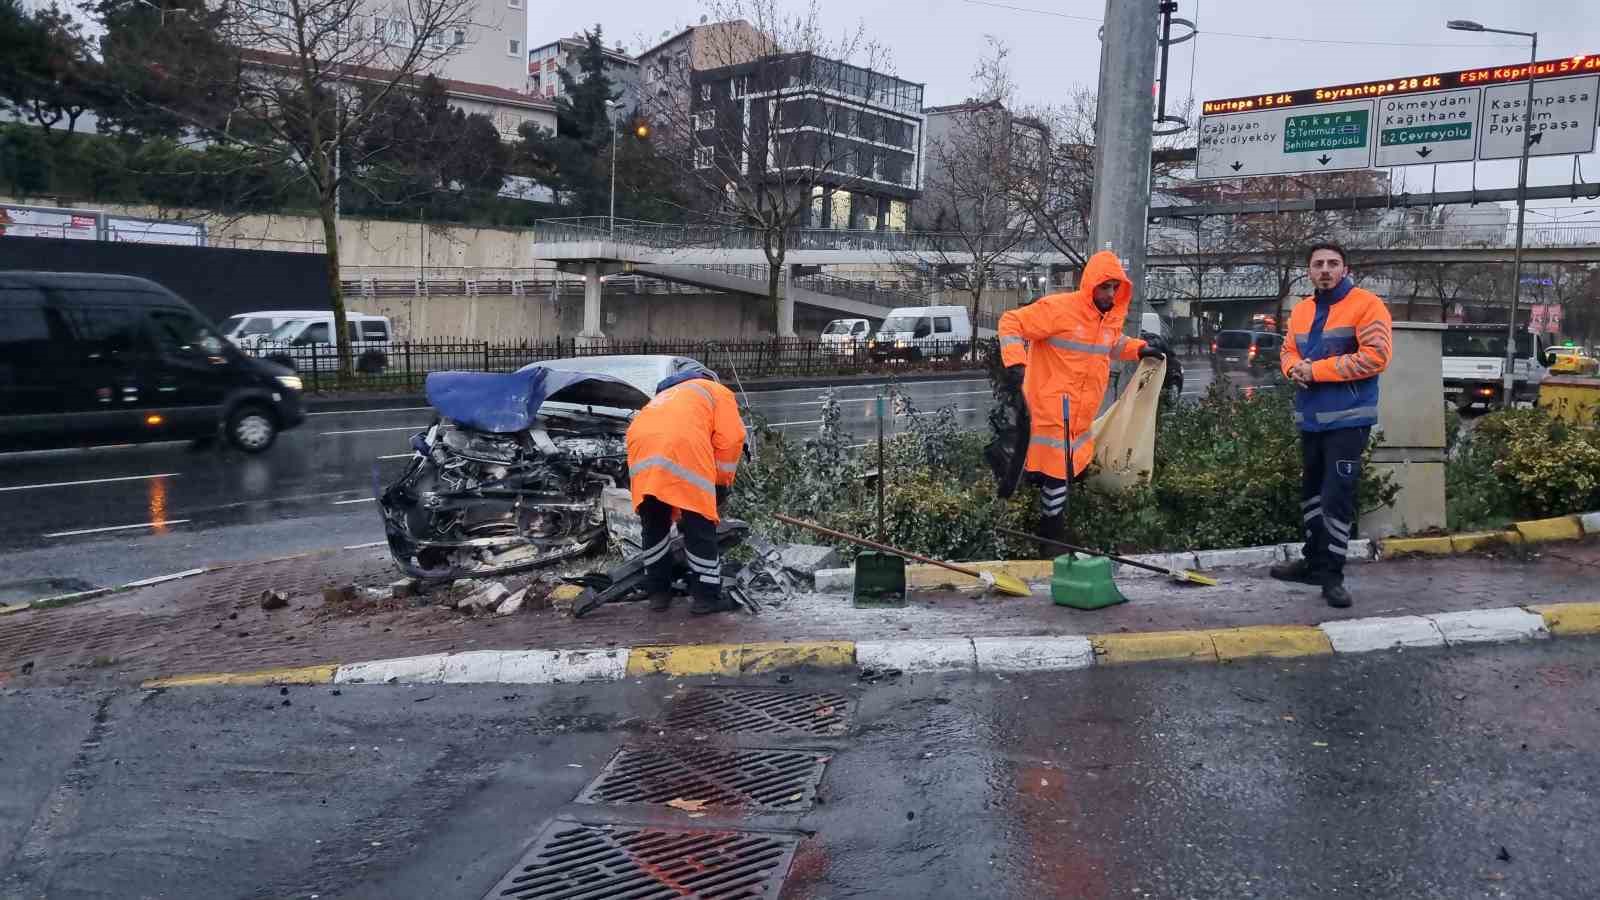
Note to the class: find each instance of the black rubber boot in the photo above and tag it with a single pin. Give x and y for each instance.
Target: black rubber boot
(1336, 595)
(660, 601)
(1298, 571)
(705, 606)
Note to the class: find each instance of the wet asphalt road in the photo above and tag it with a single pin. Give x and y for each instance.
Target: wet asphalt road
(106, 516)
(1424, 774)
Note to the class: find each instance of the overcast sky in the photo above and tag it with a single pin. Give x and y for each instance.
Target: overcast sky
(936, 42)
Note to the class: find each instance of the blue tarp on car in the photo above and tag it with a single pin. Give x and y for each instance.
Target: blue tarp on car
(501, 403)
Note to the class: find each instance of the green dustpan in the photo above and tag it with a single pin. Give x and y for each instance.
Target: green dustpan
(1084, 582)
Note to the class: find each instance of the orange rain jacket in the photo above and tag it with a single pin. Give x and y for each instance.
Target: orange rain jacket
(1068, 345)
(685, 443)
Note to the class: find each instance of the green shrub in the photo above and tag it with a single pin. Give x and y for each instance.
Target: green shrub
(1227, 474)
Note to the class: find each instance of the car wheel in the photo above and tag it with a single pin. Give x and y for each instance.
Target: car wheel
(372, 362)
(252, 428)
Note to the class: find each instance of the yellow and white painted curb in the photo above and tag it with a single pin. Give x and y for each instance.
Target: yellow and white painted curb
(1538, 531)
(977, 654)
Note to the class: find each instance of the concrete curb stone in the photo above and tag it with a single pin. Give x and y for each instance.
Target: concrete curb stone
(982, 654)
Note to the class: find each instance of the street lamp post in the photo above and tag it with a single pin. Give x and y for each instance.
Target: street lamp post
(1522, 195)
(611, 220)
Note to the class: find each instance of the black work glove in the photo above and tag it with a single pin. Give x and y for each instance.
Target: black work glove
(1014, 376)
(1155, 347)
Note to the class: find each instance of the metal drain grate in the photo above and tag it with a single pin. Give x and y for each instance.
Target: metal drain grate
(577, 861)
(761, 711)
(776, 780)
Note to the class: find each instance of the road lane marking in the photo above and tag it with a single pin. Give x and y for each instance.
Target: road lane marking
(376, 430)
(58, 534)
(367, 546)
(348, 502)
(870, 399)
(357, 412)
(31, 487)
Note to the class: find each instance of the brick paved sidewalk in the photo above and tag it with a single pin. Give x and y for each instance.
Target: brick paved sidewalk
(214, 623)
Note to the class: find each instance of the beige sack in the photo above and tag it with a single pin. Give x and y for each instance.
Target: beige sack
(1125, 435)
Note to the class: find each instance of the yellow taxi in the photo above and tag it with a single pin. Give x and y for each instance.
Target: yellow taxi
(1571, 361)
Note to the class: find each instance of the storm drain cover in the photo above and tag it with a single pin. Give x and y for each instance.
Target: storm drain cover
(573, 860)
(778, 780)
(761, 711)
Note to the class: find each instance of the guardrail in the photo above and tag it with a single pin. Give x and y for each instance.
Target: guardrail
(406, 365)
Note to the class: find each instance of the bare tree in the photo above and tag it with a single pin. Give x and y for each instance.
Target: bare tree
(979, 160)
(762, 143)
(306, 84)
(1059, 202)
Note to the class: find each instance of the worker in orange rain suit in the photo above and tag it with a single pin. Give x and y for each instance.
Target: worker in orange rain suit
(1062, 345)
(683, 453)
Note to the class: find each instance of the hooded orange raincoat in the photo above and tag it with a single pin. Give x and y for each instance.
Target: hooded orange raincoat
(684, 444)
(1067, 345)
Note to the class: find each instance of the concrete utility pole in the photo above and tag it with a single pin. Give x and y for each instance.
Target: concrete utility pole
(1124, 123)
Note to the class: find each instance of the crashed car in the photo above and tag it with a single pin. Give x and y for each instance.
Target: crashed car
(511, 473)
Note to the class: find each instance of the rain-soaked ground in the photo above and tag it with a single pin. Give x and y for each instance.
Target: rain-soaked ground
(1438, 774)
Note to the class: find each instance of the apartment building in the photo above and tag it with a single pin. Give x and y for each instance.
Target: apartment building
(483, 65)
(855, 136)
(545, 65)
(1026, 140)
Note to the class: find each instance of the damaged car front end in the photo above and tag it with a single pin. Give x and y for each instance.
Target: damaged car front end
(511, 474)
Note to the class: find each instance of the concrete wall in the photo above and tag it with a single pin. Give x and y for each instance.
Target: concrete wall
(626, 317)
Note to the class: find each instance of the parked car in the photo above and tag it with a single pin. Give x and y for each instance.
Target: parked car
(846, 335)
(246, 329)
(306, 344)
(1251, 350)
(91, 359)
(511, 473)
(917, 332)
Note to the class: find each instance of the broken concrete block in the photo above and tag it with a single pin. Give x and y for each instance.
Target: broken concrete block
(344, 593)
(404, 588)
(376, 595)
(622, 522)
(488, 597)
(807, 559)
(512, 604)
(274, 600)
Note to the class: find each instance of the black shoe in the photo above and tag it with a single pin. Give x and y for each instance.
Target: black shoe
(660, 601)
(704, 606)
(1298, 571)
(1336, 595)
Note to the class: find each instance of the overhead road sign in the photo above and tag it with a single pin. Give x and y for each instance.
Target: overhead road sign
(1563, 118)
(1454, 116)
(1327, 138)
(1432, 127)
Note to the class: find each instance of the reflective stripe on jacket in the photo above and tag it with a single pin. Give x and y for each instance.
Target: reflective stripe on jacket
(1347, 336)
(684, 444)
(1068, 345)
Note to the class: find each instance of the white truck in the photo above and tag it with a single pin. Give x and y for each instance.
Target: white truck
(1474, 365)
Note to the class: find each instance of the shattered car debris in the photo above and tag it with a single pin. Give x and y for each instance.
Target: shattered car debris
(510, 476)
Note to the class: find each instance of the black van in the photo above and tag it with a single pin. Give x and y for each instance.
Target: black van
(110, 359)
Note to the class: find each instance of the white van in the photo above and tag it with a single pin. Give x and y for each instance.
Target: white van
(1151, 323)
(306, 344)
(246, 329)
(919, 332)
(846, 335)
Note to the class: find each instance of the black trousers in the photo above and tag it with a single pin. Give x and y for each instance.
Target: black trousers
(699, 545)
(1332, 472)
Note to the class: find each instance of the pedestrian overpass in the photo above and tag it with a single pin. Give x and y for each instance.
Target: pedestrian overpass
(732, 259)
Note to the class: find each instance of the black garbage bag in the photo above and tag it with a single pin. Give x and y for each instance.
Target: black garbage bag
(1008, 451)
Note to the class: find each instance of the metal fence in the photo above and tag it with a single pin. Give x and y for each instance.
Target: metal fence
(405, 366)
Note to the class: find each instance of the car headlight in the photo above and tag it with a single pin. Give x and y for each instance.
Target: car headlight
(292, 382)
